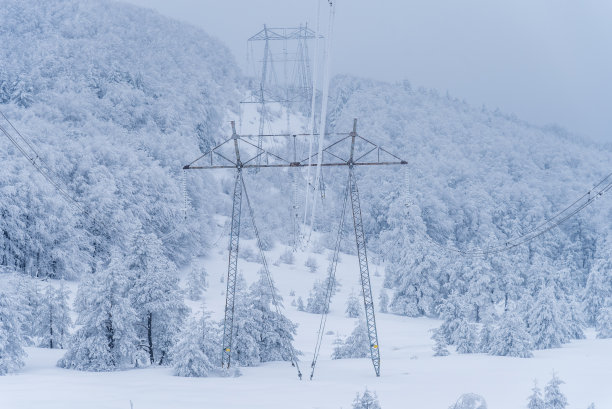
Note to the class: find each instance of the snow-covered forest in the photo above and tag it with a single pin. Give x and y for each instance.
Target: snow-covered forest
(114, 100)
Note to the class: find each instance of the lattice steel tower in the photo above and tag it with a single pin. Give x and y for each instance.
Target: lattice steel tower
(239, 152)
(284, 79)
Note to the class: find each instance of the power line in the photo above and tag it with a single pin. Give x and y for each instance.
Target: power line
(560, 217)
(288, 346)
(36, 160)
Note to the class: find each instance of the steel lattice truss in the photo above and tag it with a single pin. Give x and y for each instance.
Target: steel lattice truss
(242, 151)
(232, 272)
(284, 33)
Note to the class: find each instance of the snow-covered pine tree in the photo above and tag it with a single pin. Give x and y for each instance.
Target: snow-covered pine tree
(595, 293)
(53, 320)
(451, 311)
(276, 332)
(245, 344)
(414, 284)
(315, 303)
(508, 278)
(312, 265)
(353, 307)
(485, 336)
(553, 397)
(383, 301)
(465, 337)
(155, 296)
(511, 337)
(604, 320)
(440, 343)
(12, 337)
(300, 304)
(599, 282)
(287, 257)
(64, 319)
(196, 354)
(368, 400)
(30, 295)
(545, 324)
(573, 315)
(413, 268)
(535, 401)
(196, 282)
(480, 289)
(107, 339)
(356, 345)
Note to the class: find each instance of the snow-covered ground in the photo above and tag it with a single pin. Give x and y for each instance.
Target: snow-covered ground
(410, 376)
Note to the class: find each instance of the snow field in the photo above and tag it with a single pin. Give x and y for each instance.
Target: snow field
(410, 376)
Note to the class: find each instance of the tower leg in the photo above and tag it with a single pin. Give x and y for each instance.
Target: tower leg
(232, 270)
(366, 287)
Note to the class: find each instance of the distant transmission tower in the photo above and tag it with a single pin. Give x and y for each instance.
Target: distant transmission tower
(280, 60)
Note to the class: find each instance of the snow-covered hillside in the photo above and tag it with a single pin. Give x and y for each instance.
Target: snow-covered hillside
(112, 100)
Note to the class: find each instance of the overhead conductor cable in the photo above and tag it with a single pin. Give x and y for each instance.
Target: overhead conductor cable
(328, 53)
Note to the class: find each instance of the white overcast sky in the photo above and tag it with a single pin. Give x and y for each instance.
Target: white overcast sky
(547, 61)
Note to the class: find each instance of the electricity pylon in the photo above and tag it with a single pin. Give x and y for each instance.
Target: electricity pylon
(285, 80)
(369, 154)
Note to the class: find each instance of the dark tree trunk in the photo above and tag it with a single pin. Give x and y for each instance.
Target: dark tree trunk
(150, 336)
(51, 329)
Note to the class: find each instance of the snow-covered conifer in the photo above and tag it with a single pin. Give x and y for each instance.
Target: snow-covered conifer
(312, 265)
(440, 343)
(300, 304)
(545, 324)
(465, 337)
(275, 331)
(451, 311)
(155, 296)
(12, 338)
(535, 401)
(368, 400)
(30, 297)
(553, 397)
(383, 301)
(287, 257)
(107, 339)
(511, 337)
(53, 320)
(598, 287)
(604, 321)
(485, 336)
(245, 343)
(196, 282)
(595, 293)
(480, 289)
(196, 354)
(414, 286)
(316, 301)
(353, 307)
(356, 345)
(572, 313)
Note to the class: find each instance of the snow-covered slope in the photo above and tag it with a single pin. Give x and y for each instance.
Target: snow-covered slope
(115, 99)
